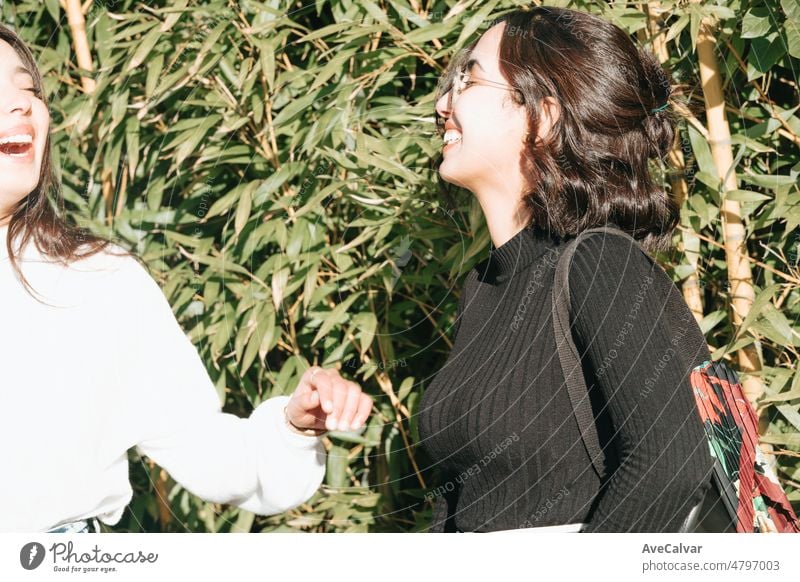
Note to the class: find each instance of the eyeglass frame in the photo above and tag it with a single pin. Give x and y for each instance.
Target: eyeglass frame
(455, 91)
(451, 92)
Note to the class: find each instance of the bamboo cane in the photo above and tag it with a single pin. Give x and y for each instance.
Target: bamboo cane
(719, 139)
(159, 479)
(80, 42)
(77, 25)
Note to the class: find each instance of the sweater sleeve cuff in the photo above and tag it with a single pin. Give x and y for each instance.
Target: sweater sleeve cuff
(291, 466)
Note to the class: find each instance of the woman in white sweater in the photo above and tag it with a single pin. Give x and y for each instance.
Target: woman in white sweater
(94, 363)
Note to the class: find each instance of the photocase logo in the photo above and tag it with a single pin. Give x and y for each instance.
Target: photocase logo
(32, 555)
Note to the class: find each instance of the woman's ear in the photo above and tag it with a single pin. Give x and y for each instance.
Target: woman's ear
(550, 113)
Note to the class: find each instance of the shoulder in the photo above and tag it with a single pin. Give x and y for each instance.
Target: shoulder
(469, 287)
(118, 271)
(613, 280)
(103, 279)
(113, 260)
(610, 267)
(611, 249)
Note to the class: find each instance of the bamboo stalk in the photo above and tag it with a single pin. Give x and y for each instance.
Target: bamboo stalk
(386, 386)
(108, 194)
(742, 115)
(719, 140)
(786, 277)
(690, 243)
(123, 193)
(77, 25)
(159, 479)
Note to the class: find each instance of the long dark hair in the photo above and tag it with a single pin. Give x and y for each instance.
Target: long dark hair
(34, 218)
(593, 169)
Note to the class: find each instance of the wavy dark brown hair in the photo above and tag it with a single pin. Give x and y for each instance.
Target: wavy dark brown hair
(37, 217)
(594, 166)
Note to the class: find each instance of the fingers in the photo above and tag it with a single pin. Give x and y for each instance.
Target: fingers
(364, 408)
(350, 407)
(343, 402)
(340, 388)
(320, 381)
(303, 407)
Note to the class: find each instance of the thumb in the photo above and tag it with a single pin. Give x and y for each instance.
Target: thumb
(311, 400)
(306, 398)
(302, 405)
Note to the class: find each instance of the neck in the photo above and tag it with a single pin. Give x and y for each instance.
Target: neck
(502, 206)
(504, 217)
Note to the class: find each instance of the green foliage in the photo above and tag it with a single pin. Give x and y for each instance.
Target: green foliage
(274, 164)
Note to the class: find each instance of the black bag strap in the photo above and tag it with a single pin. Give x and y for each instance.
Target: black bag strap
(568, 353)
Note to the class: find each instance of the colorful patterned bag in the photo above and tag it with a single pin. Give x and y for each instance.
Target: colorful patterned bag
(748, 486)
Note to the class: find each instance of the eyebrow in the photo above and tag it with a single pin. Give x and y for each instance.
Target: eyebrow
(23, 71)
(472, 62)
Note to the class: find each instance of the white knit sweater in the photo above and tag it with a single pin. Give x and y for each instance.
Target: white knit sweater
(104, 366)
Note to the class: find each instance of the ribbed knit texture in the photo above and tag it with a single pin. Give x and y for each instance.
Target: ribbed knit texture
(497, 419)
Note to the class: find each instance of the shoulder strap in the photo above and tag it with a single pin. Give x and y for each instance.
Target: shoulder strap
(568, 353)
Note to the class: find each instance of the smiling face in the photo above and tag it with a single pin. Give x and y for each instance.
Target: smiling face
(484, 127)
(24, 125)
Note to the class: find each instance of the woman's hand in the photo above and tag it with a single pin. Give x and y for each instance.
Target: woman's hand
(326, 401)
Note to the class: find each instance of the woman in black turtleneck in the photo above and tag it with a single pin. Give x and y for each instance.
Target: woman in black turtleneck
(550, 120)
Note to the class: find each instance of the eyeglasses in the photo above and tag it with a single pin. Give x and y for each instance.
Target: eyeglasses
(464, 80)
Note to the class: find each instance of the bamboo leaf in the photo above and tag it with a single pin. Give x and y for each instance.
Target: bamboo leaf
(791, 26)
(145, 47)
(756, 23)
(261, 339)
(243, 210)
(746, 196)
(337, 316)
(791, 414)
(279, 281)
(336, 473)
(789, 439)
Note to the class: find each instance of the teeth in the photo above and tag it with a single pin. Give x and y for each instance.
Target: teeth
(23, 138)
(452, 136)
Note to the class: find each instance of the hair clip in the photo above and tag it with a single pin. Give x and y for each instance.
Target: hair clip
(662, 108)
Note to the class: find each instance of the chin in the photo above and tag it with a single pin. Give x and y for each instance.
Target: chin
(451, 175)
(13, 196)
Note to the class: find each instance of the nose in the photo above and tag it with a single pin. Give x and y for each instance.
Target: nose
(17, 102)
(444, 104)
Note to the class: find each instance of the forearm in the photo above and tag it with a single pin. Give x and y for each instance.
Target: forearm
(656, 484)
(256, 463)
(290, 465)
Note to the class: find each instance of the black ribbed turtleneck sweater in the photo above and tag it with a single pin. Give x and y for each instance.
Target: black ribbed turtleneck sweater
(497, 420)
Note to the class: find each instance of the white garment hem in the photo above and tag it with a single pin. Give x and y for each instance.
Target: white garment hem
(566, 528)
